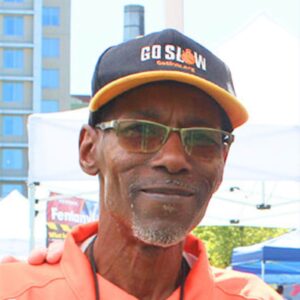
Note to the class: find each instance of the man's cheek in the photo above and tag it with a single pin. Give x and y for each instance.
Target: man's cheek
(116, 190)
(219, 171)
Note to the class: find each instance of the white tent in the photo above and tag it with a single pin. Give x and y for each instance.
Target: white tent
(14, 216)
(15, 227)
(53, 146)
(264, 60)
(255, 203)
(265, 64)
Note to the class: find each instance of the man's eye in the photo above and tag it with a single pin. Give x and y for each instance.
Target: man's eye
(202, 138)
(151, 130)
(133, 130)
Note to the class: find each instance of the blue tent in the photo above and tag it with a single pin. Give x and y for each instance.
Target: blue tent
(275, 261)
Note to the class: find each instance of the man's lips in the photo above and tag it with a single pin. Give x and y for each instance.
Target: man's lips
(168, 191)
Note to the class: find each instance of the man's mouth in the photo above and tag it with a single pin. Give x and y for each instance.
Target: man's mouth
(167, 191)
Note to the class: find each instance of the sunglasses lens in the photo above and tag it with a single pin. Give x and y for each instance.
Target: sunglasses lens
(139, 136)
(203, 142)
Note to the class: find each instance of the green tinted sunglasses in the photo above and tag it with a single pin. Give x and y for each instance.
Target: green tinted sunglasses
(146, 137)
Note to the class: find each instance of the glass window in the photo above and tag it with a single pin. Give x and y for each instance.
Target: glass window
(13, 59)
(12, 92)
(131, 32)
(49, 106)
(50, 47)
(12, 159)
(14, 1)
(12, 125)
(50, 78)
(132, 18)
(51, 16)
(13, 25)
(9, 187)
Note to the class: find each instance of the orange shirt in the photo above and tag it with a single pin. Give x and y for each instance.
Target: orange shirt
(72, 278)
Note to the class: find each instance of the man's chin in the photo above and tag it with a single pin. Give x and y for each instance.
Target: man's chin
(164, 237)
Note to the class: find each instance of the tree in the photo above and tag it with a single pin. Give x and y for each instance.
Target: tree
(220, 240)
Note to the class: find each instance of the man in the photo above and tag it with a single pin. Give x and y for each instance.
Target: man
(159, 133)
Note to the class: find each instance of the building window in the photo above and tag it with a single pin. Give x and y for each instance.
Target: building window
(13, 25)
(49, 106)
(51, 16)
(133, 21)
(9, 187)
(12, 159)
(12, 92)
(131, 33)
(13, 126)
(50, 78)
(14, 1)
(50, 47)
(13, 59)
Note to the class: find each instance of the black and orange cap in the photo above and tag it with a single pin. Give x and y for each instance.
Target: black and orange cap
(161, 56)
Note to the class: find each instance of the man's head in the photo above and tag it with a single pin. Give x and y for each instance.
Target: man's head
(156, 178)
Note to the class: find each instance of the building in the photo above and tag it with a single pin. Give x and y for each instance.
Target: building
(34, 77)
(134, 24)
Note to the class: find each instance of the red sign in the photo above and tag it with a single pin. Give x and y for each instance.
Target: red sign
(65, 212)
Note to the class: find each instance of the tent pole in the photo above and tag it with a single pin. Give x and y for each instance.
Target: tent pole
(31, 198)
(263, 270)
(263, 191)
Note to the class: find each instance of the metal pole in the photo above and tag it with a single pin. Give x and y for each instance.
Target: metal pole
(263, 270)
(31, 199)
(263, 191)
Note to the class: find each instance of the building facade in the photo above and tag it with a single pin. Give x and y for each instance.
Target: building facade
(34, 77)
(134, 21)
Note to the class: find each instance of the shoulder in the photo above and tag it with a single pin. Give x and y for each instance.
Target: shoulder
(246, 285)
(19, 278)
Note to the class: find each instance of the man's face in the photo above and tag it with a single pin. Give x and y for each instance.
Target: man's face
(158, 197)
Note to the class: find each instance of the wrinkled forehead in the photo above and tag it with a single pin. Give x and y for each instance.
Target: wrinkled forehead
(158, 100)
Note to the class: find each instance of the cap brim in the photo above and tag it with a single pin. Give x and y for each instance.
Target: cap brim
(234, 109)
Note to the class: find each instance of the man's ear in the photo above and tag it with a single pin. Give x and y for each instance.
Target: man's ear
(87, 150)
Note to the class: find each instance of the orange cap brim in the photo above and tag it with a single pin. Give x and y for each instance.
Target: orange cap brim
(231, 105)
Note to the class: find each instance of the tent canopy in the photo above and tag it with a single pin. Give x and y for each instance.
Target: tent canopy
(14, 219)
(14, 224)
(277, 260)
(262, 204)
(264, 60)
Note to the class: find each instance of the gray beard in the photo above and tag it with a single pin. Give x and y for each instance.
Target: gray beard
(165, 237)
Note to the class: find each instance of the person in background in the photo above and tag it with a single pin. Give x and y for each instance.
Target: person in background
(158, 136)
(280, 291)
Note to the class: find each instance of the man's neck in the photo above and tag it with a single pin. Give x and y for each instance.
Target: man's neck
(144, 271)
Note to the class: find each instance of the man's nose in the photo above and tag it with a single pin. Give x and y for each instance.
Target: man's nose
(172, 156)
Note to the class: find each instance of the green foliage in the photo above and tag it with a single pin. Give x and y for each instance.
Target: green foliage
(220, 240)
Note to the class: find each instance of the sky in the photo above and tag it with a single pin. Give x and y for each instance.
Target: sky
(98, 24)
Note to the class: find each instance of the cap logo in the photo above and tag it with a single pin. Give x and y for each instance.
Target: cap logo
(175, 56)
(188, 57)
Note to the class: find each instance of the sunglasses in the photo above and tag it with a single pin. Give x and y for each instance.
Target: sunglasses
(143, 136)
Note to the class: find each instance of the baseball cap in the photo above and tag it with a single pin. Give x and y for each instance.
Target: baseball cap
(167, 55)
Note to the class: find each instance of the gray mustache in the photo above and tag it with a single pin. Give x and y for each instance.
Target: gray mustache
(169, 182)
